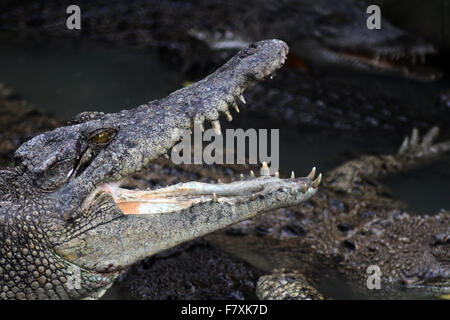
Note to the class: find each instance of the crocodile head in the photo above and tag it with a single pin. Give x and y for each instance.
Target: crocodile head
(68, 230)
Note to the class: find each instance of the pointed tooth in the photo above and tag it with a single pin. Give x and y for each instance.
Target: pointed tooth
(292, 175)
(190, 131)
(219, 181)
(253, 197)
(241, 176)
(304, 188)
(236, 107)
(428, 138)
(166, 156)
(252, 174)
(214, 197)
(277, 174)
(241, 97)
(216, 127)
(264, 169)
(316, 182)
(414, 137)
(292, 191)
(229, 117)
(312, 174)
(202, 127)
(404, 146)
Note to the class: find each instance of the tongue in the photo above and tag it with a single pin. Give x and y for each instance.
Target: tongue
(151, 202)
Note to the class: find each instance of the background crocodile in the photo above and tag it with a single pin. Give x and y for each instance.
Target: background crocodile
(67, 228)
(321, 33)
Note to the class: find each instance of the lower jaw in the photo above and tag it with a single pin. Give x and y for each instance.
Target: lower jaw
(180, 196)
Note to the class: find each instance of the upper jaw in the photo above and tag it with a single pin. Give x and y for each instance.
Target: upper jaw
(151, 130)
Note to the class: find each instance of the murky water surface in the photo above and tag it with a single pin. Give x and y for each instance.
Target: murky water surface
(67, 77)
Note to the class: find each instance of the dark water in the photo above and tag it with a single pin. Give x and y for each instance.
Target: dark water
(67, 77)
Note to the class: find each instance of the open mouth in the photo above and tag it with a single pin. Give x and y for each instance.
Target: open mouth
(181, 196)
(412, 65)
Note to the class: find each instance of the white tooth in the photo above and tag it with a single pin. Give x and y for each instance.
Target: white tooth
(404, 146)
(214, 197)
(216, 127)
(166, 156)
(271, 77)
(229, 117)
(236, 107)
(70, 173)
(241, 176)
(292, 175)
(292, 191)
(264, 169)
(219, 181)
(277, 174)
(304, 188)
(241, 97)
(252, 174)
(316, 182)
(312, 174)
(202, 127)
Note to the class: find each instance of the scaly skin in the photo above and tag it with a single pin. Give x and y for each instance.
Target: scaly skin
(323, 33)
(64, 234)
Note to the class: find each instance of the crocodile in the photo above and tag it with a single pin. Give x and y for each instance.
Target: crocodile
(69, 230)
(161, 173)
(217, 275)
(321, 34)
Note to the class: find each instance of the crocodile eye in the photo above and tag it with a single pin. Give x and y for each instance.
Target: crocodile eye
(102, 136)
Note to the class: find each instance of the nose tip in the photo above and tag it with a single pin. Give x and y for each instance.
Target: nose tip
(281, 44)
